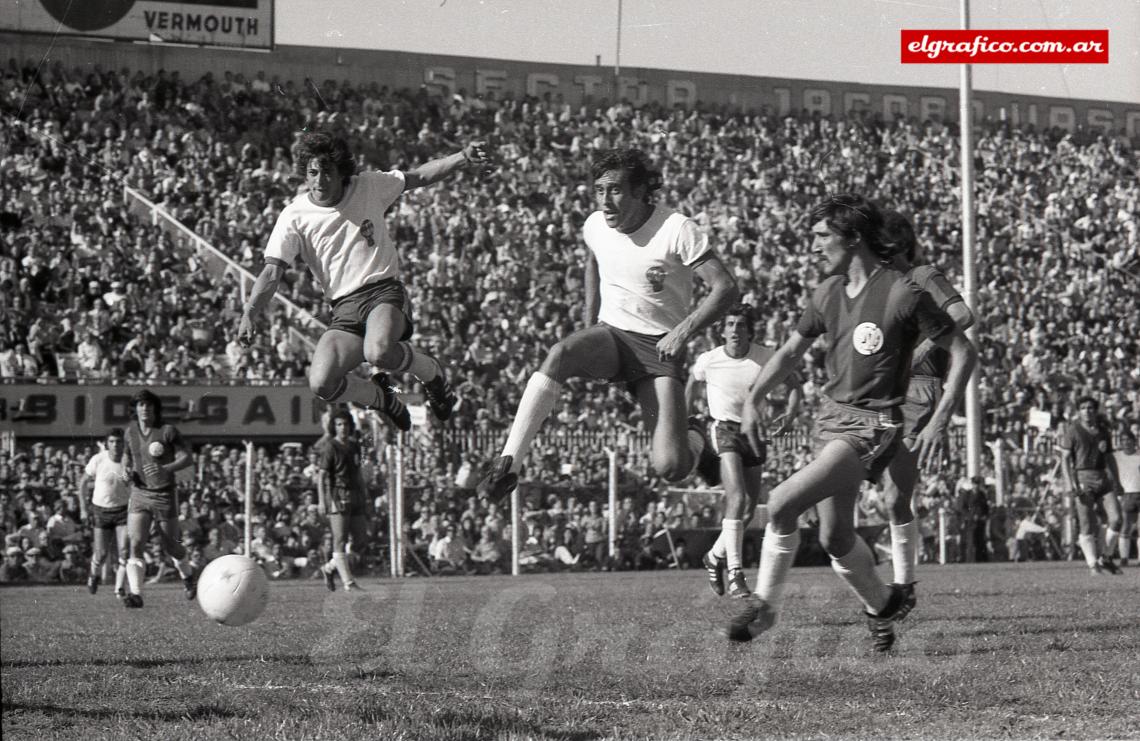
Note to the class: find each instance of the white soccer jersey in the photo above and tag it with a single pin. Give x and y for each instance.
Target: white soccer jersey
(347, 245)
(646, 278)
(727, 379)
(110, 490)
(1129, 468)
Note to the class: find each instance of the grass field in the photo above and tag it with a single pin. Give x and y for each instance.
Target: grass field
(1003, 650)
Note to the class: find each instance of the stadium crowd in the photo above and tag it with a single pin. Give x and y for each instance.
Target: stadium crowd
(89, 290)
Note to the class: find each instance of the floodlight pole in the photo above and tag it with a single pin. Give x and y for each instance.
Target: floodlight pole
(969, 254)
(617, 58)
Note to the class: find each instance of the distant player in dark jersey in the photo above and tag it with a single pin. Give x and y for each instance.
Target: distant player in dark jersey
(1089, 467)
(929, 366)
(338, 230)
(727, 372)
(105, 485)
(340, 486)
(155, 452)
(1128, 469)
(640, 263)
(873, 317)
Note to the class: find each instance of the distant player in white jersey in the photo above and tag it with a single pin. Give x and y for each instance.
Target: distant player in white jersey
(1128, 469)
(639, 286)
(726, 372)
(929, 367)
(338, 230)
(103, 499)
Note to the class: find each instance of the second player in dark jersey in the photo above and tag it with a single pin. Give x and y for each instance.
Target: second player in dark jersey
(873, 317)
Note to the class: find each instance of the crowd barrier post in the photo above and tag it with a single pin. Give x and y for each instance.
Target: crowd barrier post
(612, 486)
(515, 535)
(248, 498)
(395, 509)
(942, 536)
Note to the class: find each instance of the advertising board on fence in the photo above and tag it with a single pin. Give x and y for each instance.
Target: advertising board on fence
(200, 412)
(239, 23)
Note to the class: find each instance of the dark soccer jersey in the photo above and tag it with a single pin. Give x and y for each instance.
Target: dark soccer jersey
(935, 363)
(871, 337)
(139, 446)
(1089, 448)
(342, 460)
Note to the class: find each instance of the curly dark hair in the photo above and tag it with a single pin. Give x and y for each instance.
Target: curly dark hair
(633, 161)
(341, 414)
(744, 311)
(898, 236)
(326, 147)
(854, 217)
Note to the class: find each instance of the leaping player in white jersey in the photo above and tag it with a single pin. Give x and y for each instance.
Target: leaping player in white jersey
(338, 230)
(727, 372)
(639, 288)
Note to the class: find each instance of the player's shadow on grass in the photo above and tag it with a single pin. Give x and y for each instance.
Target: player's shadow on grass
(197, 712)
(495, 723)
(294, 659)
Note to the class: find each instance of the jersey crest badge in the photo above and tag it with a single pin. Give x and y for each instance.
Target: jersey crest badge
(656, 277)
(367, 229)
(867, 338)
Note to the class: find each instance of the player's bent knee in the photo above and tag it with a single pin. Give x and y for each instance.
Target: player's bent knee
(383, 353)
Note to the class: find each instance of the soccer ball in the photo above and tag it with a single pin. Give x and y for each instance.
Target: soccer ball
(233, 590)
(156, 449)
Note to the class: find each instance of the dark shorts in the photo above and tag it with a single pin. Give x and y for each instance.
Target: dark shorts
(347, 502)
(108, 518)
(922, 397)
(727, 438)
(350, 313)
(873, 434)
(638, 358)
(161, 505)
(1130, 502)
(1094, 484)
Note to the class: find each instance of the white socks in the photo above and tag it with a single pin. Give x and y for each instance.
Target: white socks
(777, 553)
(537, 403)
(904, 551)
(1125, 546)
(1088, 548)
(732, 536)
(340, 561)
(1111, 541)
(136, 573)
(121, 578)
(857, 568)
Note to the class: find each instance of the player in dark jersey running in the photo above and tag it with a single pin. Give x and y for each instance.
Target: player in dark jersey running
(873, 318)
(929, 366)
(340, 486)
(155, 452)
(1089, 467)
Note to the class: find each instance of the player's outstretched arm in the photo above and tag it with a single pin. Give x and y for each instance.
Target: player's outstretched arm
(775, 371)
(182, 460)
(723, 293)
(963, 356)
(473, 155)
(784, 422)
(263, 289)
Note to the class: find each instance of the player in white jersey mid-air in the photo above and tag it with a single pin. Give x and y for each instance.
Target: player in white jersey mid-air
(103, 498)
(639, 317)
(726, 372)
(338, 230)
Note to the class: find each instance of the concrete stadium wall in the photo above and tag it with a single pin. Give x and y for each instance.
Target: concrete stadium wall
(575, 84)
